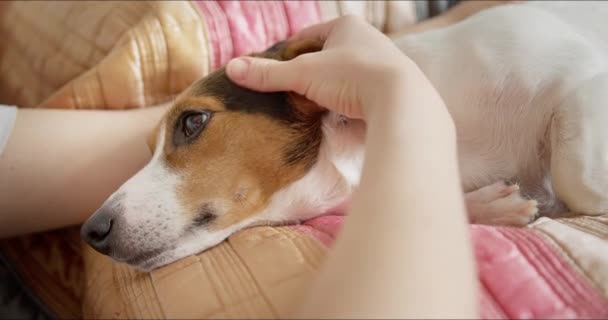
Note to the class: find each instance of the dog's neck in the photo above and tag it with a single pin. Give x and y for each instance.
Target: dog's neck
(330, 182)
(344, 141)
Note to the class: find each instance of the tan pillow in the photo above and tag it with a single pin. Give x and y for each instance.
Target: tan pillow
(258, 273)
(103, 55)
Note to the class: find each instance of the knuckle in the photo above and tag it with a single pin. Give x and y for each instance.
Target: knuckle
(301, 68)
(261, 71)
(301, 62)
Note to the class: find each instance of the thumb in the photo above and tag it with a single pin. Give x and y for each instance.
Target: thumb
(262, 74)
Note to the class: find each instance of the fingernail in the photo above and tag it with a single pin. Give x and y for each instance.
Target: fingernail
(237, 69)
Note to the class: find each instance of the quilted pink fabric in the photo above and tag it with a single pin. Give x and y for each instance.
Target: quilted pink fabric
(521, 275)
(240, 27)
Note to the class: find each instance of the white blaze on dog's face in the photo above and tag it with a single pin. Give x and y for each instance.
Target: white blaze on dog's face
(220, 154)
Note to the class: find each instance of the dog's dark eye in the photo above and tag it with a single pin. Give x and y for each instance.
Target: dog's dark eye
(190, 125)
(193, 123)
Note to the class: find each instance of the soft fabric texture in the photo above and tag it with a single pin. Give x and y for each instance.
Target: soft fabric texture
(131, 54)
(118, 55)
(263, 273)
(553, 269)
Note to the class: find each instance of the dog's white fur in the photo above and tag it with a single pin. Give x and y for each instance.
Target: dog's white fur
(526, 85)
(150, 206)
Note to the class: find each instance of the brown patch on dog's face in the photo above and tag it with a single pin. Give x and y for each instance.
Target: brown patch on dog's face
(234, 148)
(221, 154)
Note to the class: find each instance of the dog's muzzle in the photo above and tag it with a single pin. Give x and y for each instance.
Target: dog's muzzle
(97, 230)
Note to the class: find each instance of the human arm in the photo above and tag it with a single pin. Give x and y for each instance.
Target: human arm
(401, 253)
(60, 165)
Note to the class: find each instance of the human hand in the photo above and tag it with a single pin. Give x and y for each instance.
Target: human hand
(358, 68)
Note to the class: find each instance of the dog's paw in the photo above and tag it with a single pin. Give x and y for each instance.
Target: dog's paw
(500, 204)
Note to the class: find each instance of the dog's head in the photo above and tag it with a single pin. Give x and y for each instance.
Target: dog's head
(224, 158)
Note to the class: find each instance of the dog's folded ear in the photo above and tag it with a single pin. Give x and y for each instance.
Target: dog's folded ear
(289, 49)
(296, 48)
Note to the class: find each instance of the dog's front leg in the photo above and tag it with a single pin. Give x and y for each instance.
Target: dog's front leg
(500, 204)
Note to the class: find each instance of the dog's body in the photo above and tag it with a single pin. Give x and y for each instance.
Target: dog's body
(525, 86)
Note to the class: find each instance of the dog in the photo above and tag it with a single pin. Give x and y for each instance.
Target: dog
(525, 85)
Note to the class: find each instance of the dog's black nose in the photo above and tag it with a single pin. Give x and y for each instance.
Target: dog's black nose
(97, 230)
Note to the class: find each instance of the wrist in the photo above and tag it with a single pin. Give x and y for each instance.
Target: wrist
(386, 87)
(409, 105)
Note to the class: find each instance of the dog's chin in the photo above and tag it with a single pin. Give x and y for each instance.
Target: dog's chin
(154, 259)
(146, 261)
(149, 263)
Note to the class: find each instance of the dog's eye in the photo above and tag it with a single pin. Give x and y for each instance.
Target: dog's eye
(189, 126)
(194, 122)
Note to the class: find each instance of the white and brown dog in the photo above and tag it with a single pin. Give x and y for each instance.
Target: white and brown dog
(526, 85)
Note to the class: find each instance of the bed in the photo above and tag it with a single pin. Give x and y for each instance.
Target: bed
(120, 55)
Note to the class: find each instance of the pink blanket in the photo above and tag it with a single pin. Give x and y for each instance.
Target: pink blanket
(241, 27)
(525, 272)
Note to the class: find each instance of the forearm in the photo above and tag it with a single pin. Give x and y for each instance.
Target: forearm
(404, 251)
(60, 165)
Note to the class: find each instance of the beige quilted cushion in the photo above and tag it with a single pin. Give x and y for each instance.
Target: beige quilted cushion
(257, 273)
(104, 54)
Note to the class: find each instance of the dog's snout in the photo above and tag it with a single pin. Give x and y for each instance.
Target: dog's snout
(98, 229)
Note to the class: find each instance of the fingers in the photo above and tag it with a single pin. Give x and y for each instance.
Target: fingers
(270, 75)
(265, 75)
